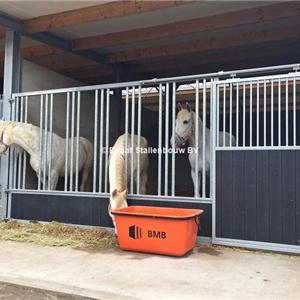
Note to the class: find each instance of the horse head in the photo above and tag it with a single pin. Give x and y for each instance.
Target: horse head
(183, 126)
(6, 136)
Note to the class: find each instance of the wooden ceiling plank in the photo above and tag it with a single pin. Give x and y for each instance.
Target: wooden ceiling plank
(249, 16)
(95, 13)
(236, 40)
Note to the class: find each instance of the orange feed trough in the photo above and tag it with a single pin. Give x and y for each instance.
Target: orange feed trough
(162, 230)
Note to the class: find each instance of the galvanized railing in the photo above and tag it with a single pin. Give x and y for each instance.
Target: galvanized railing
(228, 104)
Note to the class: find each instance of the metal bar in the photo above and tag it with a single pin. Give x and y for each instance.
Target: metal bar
(259, 148)
(287, 112)
(101, 141)
(50, 143)
(230, 114)
(224, 115)
(250, 114)
(218, 114)
(265, 113)
(159, 139)
(67, 142)
(257, 114)
(167, 138)
(244, 114)
(213, 133)
(173, 140)
(20, 155)
(25, 154)
(132, 139)
(237, 114)
(95, 141)
(107, 139)
(41, 139)
(272, 113)
(139, 139)
(220, 74)
(45, 145)
(204, 139)
(294, 112)
(126, 133)
(77, 142)
(279, 113)
(72, 141)
(15, 158)
(196, 184)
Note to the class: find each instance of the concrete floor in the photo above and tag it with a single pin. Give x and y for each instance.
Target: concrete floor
(206, 273)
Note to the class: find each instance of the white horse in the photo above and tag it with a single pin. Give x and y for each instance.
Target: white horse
(26, 137)
(119, 179)
(185, 126)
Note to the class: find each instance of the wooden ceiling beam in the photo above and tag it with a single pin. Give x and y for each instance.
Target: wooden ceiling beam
(265, 13)
(209, 44)
(95, 13)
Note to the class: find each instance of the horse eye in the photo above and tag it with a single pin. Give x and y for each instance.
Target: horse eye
(185, 122)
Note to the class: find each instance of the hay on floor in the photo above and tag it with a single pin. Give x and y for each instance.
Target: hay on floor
(57, 234)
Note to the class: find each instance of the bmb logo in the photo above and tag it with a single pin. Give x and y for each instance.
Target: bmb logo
(135, 232)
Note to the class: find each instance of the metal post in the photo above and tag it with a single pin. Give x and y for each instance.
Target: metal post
(11, 85)
(213, 132)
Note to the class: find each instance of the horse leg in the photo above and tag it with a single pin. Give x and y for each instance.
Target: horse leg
(54, 180)
(193, 173)
(143, 182)
(85, 179)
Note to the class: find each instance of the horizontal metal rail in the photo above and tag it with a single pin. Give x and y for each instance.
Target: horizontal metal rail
(220, 74)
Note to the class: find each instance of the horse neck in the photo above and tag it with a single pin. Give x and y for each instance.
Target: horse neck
(192, 140)
(118, 176)
(25, 137)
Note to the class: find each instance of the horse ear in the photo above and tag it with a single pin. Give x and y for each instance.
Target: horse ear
(114, 193)
(188, 107)
(179, 106)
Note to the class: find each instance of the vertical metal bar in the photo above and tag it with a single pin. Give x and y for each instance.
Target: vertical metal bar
(173, 134)
(45, 145)
(77, 142)
(294, 112)
(101, 141)
(167, 138)
(67, 142)
(213, 132)
(244, 114)
(224, 115)
(15, 155)
(287, 112)
(107, 139)
(196, 185)
(230, 114)
(257, 114)
(237, 114)
(126, 132)
(25, 154)
(265, 113)
(204, 139)
(272, 113)
(132, 138)
(95, 141)
(40, 142)
(279, 112)
(250, 114)
(218, 115)
(139, 139)
(72, 141)
(50, 143)
(159, 139)
(20, 155)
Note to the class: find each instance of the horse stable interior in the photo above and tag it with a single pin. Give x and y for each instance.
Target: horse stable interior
(99, 69)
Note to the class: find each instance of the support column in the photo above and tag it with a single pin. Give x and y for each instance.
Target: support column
(12, 66)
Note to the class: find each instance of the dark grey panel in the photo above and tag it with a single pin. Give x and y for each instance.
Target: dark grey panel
(86, 210)
(265, 198)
